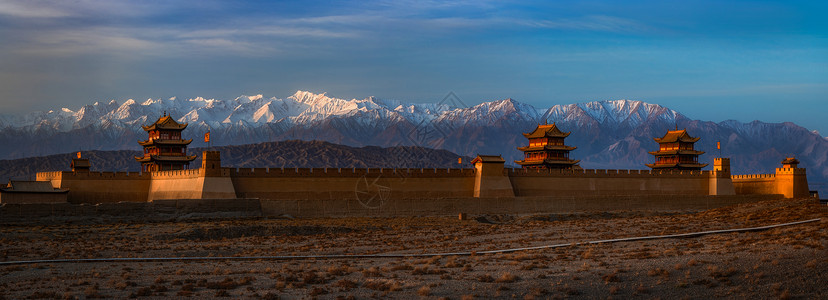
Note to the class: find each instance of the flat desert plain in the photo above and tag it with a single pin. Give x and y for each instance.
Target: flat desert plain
(785, 262)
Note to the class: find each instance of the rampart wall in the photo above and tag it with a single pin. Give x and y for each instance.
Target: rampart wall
(372, 184)
(384, 183)
(177, 184)
(590, 182)
(100, 187)
(407, 189)
(754, 184)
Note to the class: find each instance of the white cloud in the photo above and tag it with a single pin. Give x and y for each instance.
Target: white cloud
(31, 9)
(591, 23)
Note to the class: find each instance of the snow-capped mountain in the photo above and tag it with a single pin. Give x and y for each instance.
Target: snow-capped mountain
(608, 134)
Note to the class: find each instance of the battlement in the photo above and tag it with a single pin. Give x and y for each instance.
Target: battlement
(753, 176)
(68, 175)
(176, 173)
(790, 171)
(606, 173)
(349, 172)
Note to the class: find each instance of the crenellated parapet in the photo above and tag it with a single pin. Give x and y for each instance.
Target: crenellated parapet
(69, 175)
(349, 172)
(188, 173)
(789, 180)
(594, 173)
(790, 171)
(753, 176)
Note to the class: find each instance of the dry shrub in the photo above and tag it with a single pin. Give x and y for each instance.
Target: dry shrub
(507, 278)
(614, 289)
(383, 285)
(316, 291)
(345, 284)
(92, 292)
(721, 275)
(692, 262)
(227, 284)
(811, 263)
(372, 272)
(44, 295)
(424, 291)
(142, 292)
(311, 277)
(451, 262)
(338, 271)
(402, 267)
(785, 295)
(641, 289)
(425, 270)
(658, 272)
(611, 277)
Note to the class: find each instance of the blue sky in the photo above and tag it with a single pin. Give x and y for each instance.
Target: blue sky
(711, 60)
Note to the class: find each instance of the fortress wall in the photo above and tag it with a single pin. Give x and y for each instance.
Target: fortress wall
(792, 182)
(608, 182)
(754, 184)
(321, 208)
(312, 184)
(100, 187)
(174, 185)
(348, 172)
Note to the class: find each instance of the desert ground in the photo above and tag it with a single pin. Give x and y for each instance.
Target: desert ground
(787, 262)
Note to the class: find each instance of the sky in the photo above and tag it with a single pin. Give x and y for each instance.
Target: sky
(710, 60)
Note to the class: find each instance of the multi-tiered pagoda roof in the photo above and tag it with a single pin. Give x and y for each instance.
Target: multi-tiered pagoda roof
(164, 148)
(676, 151)
(546, 149)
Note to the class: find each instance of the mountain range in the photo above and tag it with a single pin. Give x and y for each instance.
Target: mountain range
(615, 134)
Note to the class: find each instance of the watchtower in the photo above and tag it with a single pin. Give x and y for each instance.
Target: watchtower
(164, 149)
(546, 149)
(676, 152)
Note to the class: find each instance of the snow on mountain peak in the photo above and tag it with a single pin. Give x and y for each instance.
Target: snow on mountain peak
(150, 101)
(303, 108)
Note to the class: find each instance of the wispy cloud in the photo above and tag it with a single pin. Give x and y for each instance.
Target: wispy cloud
(164, 29)
(31, 9)
(592, 23)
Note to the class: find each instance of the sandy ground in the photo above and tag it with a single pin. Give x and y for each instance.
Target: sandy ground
(789, 262)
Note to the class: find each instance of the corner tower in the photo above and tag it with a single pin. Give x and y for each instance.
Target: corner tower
(676, 152)
(546, 149)
(164, 149)
(791, 180)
